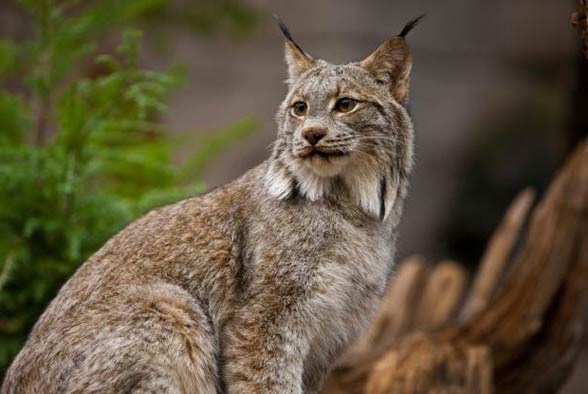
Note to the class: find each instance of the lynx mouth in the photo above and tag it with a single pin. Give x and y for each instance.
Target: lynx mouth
(312, 152)
(324, 162)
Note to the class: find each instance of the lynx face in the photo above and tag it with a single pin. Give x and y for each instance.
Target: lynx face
(337, 116)
(344, 127)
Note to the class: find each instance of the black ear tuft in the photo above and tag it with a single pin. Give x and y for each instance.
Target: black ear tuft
(410, 25)
(283, 27)
(286, 32)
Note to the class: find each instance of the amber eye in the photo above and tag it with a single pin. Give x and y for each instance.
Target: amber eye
(345, 105)
(299, 108)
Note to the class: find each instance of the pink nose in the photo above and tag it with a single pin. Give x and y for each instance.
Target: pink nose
(313, 135)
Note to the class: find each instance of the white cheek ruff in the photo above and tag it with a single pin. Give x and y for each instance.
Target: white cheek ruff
(392, 185)
(279, 181)
(374, 190)
(364, 185)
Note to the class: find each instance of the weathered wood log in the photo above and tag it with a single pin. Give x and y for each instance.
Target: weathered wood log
(497, 254)
(441, 296)
(429, 365)
(521, 324)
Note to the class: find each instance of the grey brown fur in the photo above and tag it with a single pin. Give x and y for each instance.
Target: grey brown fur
(257, 286)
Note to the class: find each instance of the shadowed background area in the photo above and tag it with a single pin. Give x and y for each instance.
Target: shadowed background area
(494, 95)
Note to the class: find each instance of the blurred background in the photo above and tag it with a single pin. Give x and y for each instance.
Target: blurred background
(498, 94)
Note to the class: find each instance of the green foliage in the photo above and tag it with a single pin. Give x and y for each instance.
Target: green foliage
(80, 157)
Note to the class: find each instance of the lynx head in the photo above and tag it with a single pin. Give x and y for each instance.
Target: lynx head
(345, 128)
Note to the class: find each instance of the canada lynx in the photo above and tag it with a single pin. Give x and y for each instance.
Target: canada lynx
(257, 286)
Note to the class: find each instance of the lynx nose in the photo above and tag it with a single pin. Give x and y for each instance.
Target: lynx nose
(313, 135)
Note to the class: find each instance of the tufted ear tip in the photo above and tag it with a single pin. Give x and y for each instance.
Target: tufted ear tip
(410, 25)
(298, 61)
(284, 29)
(391, 63)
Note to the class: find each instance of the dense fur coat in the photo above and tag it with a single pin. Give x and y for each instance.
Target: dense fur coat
(257, 286)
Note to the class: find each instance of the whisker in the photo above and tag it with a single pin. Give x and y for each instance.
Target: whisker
(342, 138)
(336, 145)
(376, 138)
(358, 149)
(361, 152)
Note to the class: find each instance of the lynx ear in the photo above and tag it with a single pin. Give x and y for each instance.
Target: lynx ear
(391, 63)
(298, 61)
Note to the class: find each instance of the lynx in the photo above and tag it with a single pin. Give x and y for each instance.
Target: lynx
(256, 286)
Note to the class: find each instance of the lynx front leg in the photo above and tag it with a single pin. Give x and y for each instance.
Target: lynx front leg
(264, 353)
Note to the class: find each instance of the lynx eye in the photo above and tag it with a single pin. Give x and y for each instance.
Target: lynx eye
(345, 105)
(299, 108)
